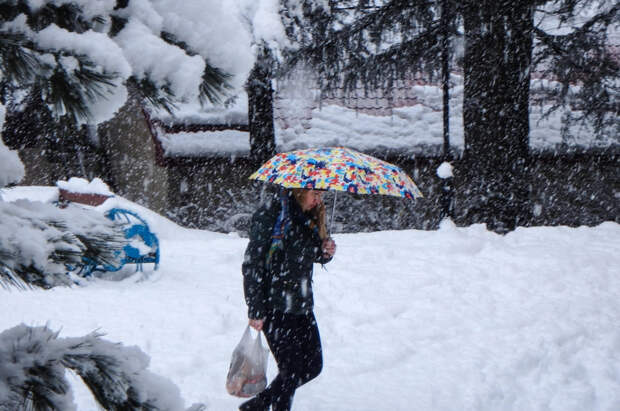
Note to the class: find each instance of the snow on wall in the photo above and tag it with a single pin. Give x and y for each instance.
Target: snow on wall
(186, 144)
(81, 185)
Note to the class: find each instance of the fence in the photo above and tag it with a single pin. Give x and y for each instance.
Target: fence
(568, 189)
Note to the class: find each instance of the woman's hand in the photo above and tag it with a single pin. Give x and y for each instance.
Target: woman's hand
(329, 247)
(257, 324)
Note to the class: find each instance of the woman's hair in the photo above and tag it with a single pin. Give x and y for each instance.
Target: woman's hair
(317, 213)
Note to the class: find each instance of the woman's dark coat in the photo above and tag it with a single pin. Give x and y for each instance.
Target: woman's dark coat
(286, 283)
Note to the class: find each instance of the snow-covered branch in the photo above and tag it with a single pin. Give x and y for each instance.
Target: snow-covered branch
(32, 373)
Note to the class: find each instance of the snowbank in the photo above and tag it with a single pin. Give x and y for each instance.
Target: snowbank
(454, 319)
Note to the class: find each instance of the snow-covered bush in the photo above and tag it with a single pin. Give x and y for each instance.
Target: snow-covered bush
(38, 239)
(32, 373)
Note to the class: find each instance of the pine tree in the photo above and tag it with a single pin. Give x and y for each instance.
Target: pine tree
(374, 43)
(260, 108)
(498, 47)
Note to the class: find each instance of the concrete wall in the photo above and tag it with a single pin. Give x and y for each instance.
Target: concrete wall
(39, 170)
(130, 158)
(46, 165)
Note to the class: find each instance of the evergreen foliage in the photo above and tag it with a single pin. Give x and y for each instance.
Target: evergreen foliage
(33, 361)
(38, 241)
(375, 43)
(363, 42)
(585, 57)
(260, 108)
(67, 79)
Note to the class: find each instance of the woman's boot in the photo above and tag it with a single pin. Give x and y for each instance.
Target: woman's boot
(255, 404)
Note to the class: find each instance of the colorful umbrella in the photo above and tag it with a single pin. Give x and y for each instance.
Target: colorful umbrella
(337, 169)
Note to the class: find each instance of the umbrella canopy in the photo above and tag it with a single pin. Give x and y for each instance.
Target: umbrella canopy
(337, 169)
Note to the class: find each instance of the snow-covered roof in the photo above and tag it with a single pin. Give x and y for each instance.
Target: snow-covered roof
(233, 112)
(204, 143)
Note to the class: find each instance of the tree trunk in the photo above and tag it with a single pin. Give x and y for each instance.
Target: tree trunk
(447, 189)
(260, 109)
(498, 48)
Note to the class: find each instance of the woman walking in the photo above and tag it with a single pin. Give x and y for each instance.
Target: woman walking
(287, 236)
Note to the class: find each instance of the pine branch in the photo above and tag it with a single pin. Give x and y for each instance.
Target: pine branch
(114, 384)
(34, 360)
(97, 246)
(582, 58)
(212, 89)
(9, 278)
(68, 16)
(70, 89)
(67, 92)
(383, 69)
(88, 238)
(214, 80)
(214, 84)
(24, 277)
(71, 93)
(9, 9)
(36, 383)
(100, 373)
(376, 48)
(330, 26)
(104, 249)
(18, 62)
(156, 96)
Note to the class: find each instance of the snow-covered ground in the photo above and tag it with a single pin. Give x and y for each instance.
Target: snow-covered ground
(454, 319)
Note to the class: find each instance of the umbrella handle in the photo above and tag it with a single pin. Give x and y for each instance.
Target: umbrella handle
(331, 219)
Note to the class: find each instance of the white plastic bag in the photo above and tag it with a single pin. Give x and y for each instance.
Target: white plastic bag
(247, 375)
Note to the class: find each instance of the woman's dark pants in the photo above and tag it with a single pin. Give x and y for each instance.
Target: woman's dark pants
(296, 345)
